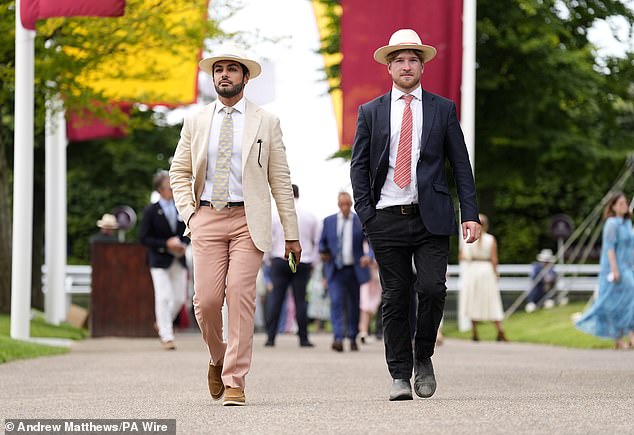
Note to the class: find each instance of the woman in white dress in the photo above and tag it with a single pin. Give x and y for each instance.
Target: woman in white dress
(481, 292)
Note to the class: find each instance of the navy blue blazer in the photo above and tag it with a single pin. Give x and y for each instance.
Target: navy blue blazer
(154, 232)
(328, 245)
(441, 140)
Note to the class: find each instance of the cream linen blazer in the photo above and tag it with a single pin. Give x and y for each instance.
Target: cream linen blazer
(265, 172)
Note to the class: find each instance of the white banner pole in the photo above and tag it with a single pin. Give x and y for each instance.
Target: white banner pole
(22, 181)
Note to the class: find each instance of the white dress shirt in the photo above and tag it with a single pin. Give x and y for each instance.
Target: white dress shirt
(309, 235)
(235, 172)
(391, 194)
(346, 242)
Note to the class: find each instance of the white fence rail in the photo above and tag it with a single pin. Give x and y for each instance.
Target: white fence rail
(513, 278)
(516, 277)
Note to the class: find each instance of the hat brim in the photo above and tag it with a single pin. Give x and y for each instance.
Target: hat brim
(544, 259)
(106, 226)
(428, 51)
(255, 69)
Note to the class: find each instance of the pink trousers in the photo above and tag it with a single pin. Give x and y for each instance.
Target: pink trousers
(226, 264)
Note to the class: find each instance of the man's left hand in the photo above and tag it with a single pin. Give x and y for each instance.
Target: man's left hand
(470, 231)
(365, 261)
(294, 247)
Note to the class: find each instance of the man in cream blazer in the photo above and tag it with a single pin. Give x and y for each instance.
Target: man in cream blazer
(229, 160)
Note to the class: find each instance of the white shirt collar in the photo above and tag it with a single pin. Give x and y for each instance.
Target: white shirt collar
(397, 93)
(240, 106)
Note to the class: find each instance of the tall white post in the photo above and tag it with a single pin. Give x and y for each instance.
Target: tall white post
(467, 107)
(22, 181)
(467, 103)
(55, 212)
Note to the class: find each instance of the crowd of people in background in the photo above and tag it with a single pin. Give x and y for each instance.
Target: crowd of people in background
(337, 285)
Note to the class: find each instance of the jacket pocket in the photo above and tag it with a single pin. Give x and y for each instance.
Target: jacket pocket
(442, 188)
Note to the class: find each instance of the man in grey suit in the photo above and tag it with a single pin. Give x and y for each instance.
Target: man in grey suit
(402, 141)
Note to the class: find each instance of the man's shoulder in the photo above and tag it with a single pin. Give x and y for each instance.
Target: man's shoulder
(439, 99)
(331, 217)
(200, 112)
(252, 107)
(151, 207)
(376, 101)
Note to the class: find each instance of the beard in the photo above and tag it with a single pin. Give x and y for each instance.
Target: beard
(407, 82)
(229, 92)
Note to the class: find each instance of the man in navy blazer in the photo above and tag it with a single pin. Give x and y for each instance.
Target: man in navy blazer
(161, 231)
(346, 268)
(402, 142)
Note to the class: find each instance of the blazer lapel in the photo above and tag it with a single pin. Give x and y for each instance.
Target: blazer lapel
(383, 114)
(429, 111)
(251, 126)
(200, 151)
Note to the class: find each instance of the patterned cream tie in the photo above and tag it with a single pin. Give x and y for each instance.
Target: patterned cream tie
(403, 166)
(220, 192)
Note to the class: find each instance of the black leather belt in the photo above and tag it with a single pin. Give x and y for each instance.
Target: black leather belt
(229, 204)
(405, 210)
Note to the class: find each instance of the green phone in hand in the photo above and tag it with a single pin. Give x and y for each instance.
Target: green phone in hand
(291, 262)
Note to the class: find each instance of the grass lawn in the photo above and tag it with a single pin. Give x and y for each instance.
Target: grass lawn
(552, 326)
(16, 349)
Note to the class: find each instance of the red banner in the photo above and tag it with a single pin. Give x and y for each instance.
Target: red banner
(368, 24)
(83, 125)
(33, 10)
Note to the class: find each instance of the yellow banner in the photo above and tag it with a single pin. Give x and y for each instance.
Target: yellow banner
(323, 23)
(160, 64)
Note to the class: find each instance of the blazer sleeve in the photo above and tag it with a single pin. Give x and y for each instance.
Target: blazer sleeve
(181, 173)
(323, 241)
(147, 235)
(459, 159)
(280, 181)
(360, 169)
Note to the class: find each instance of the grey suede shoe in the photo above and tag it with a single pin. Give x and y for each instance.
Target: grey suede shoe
(401, 390)
(424, 379)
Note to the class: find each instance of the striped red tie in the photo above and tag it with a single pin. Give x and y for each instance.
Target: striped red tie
(403, 167)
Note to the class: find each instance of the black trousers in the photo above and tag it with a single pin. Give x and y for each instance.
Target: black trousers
(396, 240)
(282, 277)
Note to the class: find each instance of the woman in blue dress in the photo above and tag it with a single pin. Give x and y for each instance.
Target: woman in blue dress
(612, 314)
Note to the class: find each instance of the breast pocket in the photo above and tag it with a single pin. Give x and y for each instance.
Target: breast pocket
(260, 152)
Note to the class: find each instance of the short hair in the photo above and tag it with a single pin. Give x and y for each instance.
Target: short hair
(419, 54)
(608, 212)
(344, 193)
(159, 177)
(295, 191)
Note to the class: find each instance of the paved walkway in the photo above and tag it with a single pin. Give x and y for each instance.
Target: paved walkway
(483, 388)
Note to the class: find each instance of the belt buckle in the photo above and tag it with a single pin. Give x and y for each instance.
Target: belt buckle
(403, 210)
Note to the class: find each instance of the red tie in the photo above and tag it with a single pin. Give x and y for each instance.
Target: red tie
(403, 167)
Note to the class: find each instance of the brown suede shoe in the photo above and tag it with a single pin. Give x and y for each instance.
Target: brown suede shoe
(234, 396)
(168, 345)
(214, 381)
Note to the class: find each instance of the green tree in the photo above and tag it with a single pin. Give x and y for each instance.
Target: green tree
(120, 173)
(546, 141)
(65, 49)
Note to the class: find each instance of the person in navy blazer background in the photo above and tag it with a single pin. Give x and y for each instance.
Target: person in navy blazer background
(161, 232)
(345, 267)
(402, 141)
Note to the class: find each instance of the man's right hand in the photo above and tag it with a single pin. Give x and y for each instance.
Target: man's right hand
(325, 257)
(175, 246)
